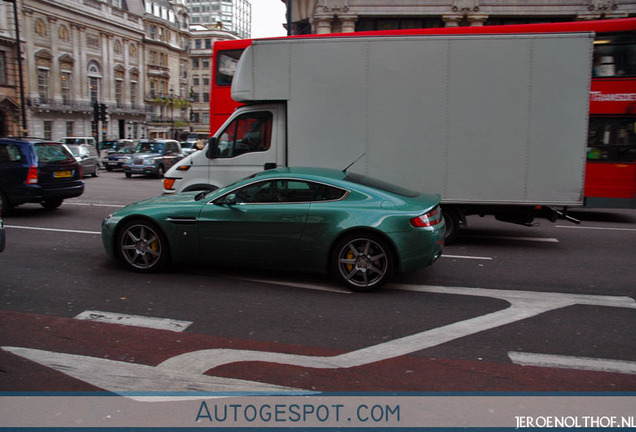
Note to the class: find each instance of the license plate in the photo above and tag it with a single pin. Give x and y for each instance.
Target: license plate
(62, 174)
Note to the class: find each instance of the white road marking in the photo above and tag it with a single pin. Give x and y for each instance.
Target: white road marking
(466, 257)
(184, 372)
(596, 228)
(569, 362)
(119, 376)
(53, 229)
(534, 239)
(94, 205)
(135, 320)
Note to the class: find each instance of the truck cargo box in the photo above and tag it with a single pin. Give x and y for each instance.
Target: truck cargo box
(481, 119)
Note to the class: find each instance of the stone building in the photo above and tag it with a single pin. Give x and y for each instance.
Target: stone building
(165, 45)
(10, 116)
(334, 16)
(78, 53)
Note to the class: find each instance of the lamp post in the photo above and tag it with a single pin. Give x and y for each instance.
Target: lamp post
(19, 54)
(172, 132)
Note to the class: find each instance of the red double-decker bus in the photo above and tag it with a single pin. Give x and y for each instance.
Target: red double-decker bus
(610, 177)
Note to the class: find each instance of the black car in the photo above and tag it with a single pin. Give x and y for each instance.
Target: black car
(37, 171)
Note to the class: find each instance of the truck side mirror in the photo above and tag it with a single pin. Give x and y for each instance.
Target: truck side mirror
(213, 148)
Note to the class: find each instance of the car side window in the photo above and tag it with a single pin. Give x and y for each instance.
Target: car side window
(287, 191)
(10, 153)
(250, 132)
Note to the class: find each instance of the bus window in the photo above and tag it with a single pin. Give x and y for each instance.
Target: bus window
(615, 55)
(226, 66)
(612, 140)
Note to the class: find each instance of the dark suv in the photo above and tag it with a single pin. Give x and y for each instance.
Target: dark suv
(37, 171)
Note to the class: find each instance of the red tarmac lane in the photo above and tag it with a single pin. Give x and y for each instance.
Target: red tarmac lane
(150, 347)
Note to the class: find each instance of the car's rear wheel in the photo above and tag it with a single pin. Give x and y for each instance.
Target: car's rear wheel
(362, 262)
(142, 246)
(52, 204)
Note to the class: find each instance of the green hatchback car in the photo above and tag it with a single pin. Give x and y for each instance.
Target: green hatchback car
(357, 228)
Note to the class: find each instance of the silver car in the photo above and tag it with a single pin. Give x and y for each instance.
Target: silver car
(87, 157)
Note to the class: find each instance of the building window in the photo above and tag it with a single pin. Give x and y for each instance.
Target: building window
(206, 97)
(205, 63)
(195, 81)
(133, 93)
(3, 68)
(66, 87)
(94, 83)
(48, 129)
(43, 84)
(119, 92)
(195, 63)
(69, 128)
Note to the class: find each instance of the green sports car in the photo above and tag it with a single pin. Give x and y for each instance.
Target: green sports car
(360, 229)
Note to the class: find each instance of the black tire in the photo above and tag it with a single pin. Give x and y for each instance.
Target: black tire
(142, 246)
(453, 223)
(5, 205)
(96, 172)
(52, 204)
(128, 175)
(160, 171)
(362, 262)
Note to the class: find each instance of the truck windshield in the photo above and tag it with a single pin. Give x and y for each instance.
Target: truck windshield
(380, 184)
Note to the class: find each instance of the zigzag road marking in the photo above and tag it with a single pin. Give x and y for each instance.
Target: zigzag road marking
(185, 372)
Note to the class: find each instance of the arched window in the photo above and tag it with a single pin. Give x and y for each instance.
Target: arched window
(94, 82)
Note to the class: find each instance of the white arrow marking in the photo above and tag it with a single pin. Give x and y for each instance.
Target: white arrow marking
(135, 320)
(184, 372)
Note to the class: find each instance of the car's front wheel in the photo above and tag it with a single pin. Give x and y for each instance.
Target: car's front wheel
(142, 246)
(362, 262)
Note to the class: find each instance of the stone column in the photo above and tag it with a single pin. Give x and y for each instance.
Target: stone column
(477, 20)
(348, 23)
(323, 24)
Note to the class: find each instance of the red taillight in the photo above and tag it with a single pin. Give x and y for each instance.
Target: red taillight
(429, 219)
(32, 176)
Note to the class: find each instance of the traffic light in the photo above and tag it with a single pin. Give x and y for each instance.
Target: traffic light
(103, 112)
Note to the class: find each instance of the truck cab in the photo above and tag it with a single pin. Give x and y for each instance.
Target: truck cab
(250, 140)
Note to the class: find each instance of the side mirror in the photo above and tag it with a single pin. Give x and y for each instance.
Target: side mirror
(213, 148)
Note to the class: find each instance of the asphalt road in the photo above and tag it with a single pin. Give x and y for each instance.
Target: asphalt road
(506, 308)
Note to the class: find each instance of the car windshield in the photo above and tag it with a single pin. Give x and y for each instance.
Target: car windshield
(74, 149)
(52, 152)
(126, 150)
(381, 185)
(150, 147)
(73, 140)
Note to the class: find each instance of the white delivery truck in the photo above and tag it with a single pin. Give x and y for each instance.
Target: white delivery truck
(497, 124)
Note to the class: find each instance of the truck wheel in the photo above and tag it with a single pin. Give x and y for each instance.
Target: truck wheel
(142, 246)
(362, 262)
(453, 223)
